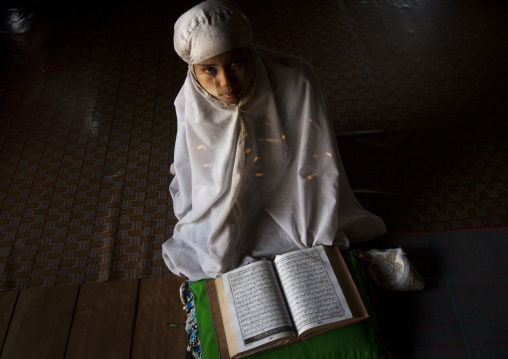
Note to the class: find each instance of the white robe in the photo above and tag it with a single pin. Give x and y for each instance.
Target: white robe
(260, 178)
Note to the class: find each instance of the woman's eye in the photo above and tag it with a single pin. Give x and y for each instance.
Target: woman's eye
(238, 61)
(208, 70)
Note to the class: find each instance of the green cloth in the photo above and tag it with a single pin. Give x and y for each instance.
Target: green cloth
(360, 340)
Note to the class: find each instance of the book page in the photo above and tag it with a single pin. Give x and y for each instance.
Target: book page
(311, 288)
(258, 310)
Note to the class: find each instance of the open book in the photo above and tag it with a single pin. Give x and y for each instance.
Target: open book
(264, 305)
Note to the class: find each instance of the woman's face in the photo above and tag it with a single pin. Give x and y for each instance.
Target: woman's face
(226, 76)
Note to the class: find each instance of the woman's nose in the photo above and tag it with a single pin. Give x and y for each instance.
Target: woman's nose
(226, 78)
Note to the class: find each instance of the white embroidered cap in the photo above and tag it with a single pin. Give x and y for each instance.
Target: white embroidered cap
(209, 29)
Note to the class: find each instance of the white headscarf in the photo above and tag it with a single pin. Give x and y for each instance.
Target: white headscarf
(209, 29)
(259, 178)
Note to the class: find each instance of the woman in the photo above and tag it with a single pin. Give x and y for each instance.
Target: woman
(257, 168)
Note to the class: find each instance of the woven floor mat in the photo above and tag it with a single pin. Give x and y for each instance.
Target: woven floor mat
(417, 95)
(461, 311)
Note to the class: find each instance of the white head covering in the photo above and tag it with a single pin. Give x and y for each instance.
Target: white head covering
(259, 178)
(209, 29)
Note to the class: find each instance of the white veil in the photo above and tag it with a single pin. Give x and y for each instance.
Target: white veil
(259, 178)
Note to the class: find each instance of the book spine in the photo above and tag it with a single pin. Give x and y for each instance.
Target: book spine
(213, 319)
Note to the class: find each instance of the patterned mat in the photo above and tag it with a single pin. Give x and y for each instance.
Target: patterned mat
(461, 312)
(417, 94)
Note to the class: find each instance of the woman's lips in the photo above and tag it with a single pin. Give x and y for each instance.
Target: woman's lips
(231, 94)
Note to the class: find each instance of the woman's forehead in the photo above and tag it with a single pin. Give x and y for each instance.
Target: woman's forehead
(224, 57)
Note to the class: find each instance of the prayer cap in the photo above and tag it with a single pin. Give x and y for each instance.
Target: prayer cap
(209, 29)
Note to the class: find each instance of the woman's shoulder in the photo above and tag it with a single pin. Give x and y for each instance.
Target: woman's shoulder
(288, 69)
(284, 61)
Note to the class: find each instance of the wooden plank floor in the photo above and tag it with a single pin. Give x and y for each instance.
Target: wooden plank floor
(119, 319)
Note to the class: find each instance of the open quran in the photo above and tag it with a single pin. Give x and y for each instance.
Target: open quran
(264, 305)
